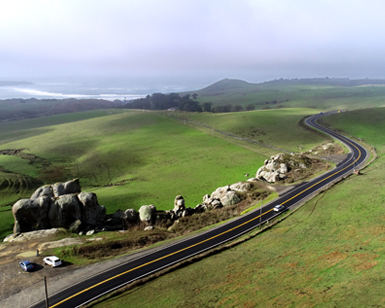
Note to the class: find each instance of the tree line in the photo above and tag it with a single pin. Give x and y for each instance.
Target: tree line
(188, 102)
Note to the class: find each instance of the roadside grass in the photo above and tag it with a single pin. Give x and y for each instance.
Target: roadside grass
(271, 197)
(330, 253)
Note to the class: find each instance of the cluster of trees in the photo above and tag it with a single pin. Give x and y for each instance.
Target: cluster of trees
(188, 102)
(159, 101)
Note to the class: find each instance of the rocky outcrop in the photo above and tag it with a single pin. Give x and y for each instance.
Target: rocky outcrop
(61, 205)
(31, 214)
(224, 196)
(178, 205)
(64, 205)
(93, 213)
(231, 194)
(278, 166)
(64, 211)
(70, 187)
(45, 191)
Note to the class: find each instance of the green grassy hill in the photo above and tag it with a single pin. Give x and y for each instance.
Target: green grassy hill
(130, 158)
(330, 253)
(325, 94)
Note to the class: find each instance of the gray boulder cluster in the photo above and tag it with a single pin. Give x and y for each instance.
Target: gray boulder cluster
(59, 205)
(278, 166)
(63, 205)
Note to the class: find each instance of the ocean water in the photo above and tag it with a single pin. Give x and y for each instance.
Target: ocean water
(82, 89)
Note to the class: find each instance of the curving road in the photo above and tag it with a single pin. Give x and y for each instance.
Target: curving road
(116, 277)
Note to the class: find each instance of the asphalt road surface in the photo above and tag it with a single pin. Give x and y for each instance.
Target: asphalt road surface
(103, 283)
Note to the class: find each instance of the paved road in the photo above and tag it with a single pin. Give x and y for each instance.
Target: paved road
(107, 281)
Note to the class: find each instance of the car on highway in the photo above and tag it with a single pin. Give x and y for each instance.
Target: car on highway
(52, 261)
(26, 265)
(279, 208)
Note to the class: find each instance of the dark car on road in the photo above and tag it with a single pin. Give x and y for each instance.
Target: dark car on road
(26, 265)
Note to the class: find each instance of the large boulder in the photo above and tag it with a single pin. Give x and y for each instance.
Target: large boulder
(145, 213)
(209, 203)
(227, 196)
(31, 214)
(70, 187)
(93, 213)
(220, 192)
(179, 204)
(273, 169)
(131, 215)
(230, 198)
(44, 191)
(241, 187)
(64, 211)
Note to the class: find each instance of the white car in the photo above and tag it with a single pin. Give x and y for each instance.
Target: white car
(279, 208)
(52, 261)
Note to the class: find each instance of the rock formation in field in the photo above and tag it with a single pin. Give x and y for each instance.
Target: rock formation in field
(61, 205)
(278, 166)
(64, 205)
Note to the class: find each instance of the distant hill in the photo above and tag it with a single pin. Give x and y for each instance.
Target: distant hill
(226, 85)
(236, 86)
(323, 93)
(325, 82)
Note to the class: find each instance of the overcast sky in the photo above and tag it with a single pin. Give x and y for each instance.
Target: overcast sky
(253, 40)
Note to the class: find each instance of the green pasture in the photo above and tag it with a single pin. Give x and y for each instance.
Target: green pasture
(130, 158)
(300, 96)
(330, 253)
(278, 128)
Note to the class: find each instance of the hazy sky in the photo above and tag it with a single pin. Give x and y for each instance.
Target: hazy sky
(254, 40)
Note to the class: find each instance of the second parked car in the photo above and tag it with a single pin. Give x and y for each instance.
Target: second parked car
(26, 265)
(52, 261)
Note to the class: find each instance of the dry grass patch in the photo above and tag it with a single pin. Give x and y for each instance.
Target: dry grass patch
(364, 261)
(332, 259)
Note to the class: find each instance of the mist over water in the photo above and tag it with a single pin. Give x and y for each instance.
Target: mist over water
(95, 88)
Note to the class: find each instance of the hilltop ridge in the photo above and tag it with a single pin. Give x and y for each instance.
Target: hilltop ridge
(234, 86)
(226, 85)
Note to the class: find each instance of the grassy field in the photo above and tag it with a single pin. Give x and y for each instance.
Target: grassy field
(277, 128)
(131, 158)
(330, 253)
(135, 158)
(288, 95)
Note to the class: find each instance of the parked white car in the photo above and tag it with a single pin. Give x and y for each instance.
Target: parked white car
(52, 261)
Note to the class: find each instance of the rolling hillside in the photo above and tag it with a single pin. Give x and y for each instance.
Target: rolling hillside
(321, 93)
